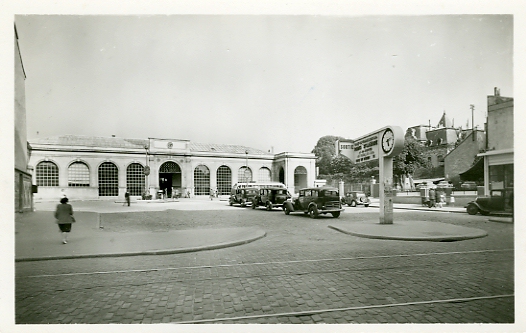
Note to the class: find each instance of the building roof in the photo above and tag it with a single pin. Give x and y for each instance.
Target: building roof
(91, 141)
(221, 148)
(124, 143)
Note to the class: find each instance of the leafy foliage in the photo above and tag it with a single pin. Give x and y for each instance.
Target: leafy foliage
(325, 151)
(410, 159)
(342, 168)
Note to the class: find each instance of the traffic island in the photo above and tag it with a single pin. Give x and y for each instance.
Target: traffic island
(409, 231)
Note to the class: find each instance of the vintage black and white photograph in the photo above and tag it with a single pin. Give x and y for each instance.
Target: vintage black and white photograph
(259, 167)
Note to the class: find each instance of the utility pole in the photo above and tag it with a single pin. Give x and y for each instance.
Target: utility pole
(472, 107)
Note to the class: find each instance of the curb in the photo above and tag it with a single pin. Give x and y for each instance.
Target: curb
(427, 239)
(144, 253)
(508, 220)
(424, 209)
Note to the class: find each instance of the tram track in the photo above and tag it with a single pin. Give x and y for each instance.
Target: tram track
(352, 308)
(350, 285)
(185, 275)
(269, 263)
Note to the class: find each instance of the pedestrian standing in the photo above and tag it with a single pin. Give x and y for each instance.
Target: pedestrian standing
(64, 218)
(127, 198)
(432, 197)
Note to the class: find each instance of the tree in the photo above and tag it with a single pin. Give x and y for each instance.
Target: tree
(341, 164)
(325, 151)
(409, 160)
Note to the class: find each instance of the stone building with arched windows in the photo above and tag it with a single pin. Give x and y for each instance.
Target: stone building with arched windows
(84, 167)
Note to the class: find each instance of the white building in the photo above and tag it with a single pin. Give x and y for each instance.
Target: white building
(86, 167)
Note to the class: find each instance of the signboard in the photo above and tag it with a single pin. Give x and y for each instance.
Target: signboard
(366, 149)
(387, 141)
(382, 144)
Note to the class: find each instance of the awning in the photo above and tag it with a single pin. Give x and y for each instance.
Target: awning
(475, 173)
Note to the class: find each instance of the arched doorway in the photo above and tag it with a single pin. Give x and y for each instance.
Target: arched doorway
(169, 177)
(281, 175)
(300, 178)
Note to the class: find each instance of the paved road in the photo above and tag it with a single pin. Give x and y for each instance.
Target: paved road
(301, 272)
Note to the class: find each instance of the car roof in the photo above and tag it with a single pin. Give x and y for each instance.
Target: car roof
(320, 188)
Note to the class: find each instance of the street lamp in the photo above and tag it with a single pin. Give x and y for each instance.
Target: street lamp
(146, 172)
(246, 166)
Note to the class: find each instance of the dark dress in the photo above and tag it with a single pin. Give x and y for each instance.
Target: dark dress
(64, 216)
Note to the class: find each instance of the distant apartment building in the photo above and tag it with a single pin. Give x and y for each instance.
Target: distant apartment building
(498, 158)
(441, 141)
(462, 162)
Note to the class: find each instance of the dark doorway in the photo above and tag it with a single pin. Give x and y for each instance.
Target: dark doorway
(281, 175)
(169, 178)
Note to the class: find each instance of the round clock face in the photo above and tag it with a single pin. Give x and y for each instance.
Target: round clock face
(170, 145)
(387, 141)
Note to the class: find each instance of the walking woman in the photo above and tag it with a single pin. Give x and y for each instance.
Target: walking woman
(64, 216)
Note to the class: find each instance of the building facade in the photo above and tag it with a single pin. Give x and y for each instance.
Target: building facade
(105, 168)
(499, 157)
(462, 158)
(23, 184)
(446, 148)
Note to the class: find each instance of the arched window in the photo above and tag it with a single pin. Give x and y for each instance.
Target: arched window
(47, 174)
(135, 179)
(264, 175)
(300, 178)
(170, 167)
(244, 175)
(108, 180)
(224, 180)
(201, 180)
(78, 174)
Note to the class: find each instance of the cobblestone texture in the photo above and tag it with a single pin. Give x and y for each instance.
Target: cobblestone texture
(301, 266)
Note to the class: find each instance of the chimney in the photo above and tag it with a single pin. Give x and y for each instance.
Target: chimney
(497, 91)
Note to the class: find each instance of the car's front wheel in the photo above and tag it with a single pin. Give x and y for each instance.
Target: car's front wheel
(254, 204)
(335, 214)
(472, 209)
(353, 203)
(313, 212)
(269, 205)
(243, 203)
(286, 209)
(366, 205)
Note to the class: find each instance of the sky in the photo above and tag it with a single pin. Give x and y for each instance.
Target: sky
(272, 82)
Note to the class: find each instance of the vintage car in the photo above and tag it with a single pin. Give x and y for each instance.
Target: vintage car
(242, 196)
(270, 197)
(354, 198)
(315, 201)
(444, 184)
(498, 202)
(469, 186)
